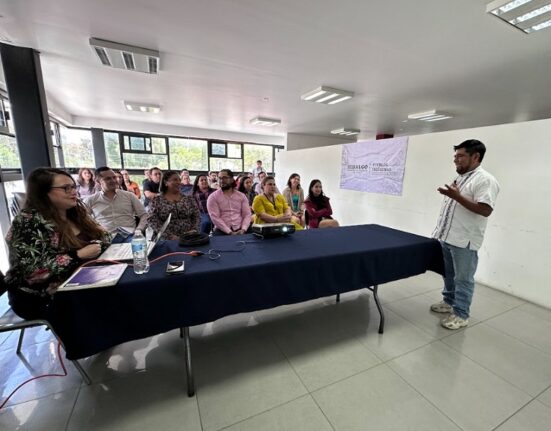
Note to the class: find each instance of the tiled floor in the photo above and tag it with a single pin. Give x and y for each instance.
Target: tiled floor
(314, 366)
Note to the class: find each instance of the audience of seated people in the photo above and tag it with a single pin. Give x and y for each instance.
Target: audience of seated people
(131, 186)
(86, 184)
(294, 196)
(318, 209)
(213, 179)
(270, 206)
(186, 186)
(201, 192)
(114, 209)
(185, 212)
(51, 236)
(151, 185)
(228, 208)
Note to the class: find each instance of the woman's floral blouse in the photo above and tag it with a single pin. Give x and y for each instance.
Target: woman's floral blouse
(37, 261)
(185, 215)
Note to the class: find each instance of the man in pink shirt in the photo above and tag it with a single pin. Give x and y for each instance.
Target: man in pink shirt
(228, 208)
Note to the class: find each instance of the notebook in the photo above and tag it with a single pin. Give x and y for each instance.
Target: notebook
(123, 252)
(94, 276)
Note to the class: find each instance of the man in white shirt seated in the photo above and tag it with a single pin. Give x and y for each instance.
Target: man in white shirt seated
(115, 209)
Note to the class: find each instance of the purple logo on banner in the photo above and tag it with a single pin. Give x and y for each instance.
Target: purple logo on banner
(374, 166)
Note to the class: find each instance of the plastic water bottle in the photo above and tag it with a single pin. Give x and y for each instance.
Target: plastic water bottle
(139, 252)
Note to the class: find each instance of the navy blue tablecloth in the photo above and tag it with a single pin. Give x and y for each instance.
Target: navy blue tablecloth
(262, 274)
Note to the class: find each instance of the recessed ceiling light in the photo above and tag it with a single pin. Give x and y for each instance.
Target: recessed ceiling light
(264, 121)
(526, 15)
(327, 95)
(142, 107)
(127, 57)
(431, 115)
(345, 132)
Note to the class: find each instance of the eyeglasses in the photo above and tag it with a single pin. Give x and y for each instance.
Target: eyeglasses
(67, 188)
(223, 178)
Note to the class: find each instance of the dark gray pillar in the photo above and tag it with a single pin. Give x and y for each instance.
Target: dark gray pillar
(29, 111)
(99, 147)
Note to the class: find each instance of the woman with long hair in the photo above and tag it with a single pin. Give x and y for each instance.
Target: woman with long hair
(120, 181)
(86, 184)
(294, 196)
(318, 209)
(51, 236)
(246, 187)
(185, 212)
(131, 186)
(270, 206)
(201, 192)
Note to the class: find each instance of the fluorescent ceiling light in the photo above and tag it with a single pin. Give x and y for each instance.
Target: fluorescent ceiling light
(264, 121)
(526, 15)
(345, 132)
(327, 95)
(127, 57)
(142, 107)
(431, 115)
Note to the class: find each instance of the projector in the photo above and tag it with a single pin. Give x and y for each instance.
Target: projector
(273, 230)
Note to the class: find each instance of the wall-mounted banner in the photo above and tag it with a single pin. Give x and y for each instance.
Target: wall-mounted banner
(374, 166)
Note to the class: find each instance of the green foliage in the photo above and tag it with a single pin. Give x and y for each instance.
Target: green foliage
(9, 154)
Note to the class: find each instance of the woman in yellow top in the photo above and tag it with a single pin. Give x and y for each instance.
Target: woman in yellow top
(270, 207)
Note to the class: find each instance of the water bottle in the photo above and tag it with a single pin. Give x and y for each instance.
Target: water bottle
(139, 252)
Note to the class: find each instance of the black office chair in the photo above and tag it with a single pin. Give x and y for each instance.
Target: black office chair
(9, 321)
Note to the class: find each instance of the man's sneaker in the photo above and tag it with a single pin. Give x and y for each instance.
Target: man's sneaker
(454, 322)
(441, 307)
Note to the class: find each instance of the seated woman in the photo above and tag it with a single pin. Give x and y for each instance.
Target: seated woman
(86, 185)
(120, 181)
(51, 236)
(246, 187)
(131, 186)
(185, 213)
(270, 207)
(201, 192)
(318, 208)
(294, 196)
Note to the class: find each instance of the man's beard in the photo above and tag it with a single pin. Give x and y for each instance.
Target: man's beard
(226, 187)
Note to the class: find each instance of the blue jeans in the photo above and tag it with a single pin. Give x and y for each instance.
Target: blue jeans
(205, 224)
(460, 266)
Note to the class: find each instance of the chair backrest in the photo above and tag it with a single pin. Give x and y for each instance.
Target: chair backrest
(17, 202)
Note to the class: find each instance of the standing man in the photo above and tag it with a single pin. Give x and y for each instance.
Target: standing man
(151, 186)
(256, 171)
(228, 208)
(114, 209)
(468, 202)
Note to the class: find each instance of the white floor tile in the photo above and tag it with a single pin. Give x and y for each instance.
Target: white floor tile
(470, 395)
(545, 397)
(36, 360)
(302, 414)
(525, 325)
(378, 399)
(143, 401)
(49, 413)
(243, 381)
(526, 367)
(534, 417)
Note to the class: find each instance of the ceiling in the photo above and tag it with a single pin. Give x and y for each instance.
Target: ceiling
(224, 62)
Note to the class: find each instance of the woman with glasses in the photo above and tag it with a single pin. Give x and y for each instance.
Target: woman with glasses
(131, 186)
(51, 236)
(185, 213)
(270, 207)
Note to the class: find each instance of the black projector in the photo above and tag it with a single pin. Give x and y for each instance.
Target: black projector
(273, 230)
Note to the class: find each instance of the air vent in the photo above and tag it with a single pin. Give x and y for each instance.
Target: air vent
(126, 57)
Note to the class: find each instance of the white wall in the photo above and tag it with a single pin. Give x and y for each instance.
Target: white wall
(297, 141)
(516, 254)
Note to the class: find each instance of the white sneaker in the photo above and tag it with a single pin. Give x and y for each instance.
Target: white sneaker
(441, 307)
(454, 322)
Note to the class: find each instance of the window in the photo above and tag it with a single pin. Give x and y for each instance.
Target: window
(234, 151)
(112, 150)
(77, 147)
(158, 145)
(144, 161)
(9, 153)
(258, 152)
(190, 154)
(218, 163)
(218, 149)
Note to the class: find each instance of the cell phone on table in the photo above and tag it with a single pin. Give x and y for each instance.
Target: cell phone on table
(175, 267)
